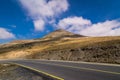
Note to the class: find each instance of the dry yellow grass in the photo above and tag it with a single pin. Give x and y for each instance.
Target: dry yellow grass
(61, 49)
(79, 42)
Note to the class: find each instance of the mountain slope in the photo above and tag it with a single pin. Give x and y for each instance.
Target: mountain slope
(60, 33)
(63, 45)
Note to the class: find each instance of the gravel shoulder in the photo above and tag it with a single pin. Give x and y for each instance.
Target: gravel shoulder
(13, 72)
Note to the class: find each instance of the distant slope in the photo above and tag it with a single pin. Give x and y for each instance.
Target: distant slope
(60, 33)
(63, 45)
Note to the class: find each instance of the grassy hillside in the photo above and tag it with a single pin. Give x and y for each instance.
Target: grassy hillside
(94, 49)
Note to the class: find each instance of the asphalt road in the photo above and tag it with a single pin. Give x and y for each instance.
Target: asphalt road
(74, 71)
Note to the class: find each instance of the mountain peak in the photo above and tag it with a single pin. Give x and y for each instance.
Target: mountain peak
(60, 33)
(60, 30)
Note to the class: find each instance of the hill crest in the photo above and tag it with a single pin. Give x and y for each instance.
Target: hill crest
(60, 33)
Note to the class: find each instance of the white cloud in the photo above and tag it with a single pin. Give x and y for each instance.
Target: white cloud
(83, 26)
(5, 34)
(43, 10)
(102, 29)
(39, 25)
(74, 24)
(13, 26)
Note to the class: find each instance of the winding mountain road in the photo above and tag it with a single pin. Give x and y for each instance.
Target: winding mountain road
(73, 70)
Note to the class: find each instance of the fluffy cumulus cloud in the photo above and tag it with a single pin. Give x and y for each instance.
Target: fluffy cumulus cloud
(39, 25)
(83, 26)
(5, 34)
(43, 10)
(74, 24)
(107, 28)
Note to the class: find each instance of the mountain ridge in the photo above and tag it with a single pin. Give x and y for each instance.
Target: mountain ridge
(80, 48)
(60, 33)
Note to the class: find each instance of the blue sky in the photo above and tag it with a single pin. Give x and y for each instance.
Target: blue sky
(21, 20)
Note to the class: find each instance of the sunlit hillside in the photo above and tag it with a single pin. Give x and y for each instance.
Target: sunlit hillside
(65, 47)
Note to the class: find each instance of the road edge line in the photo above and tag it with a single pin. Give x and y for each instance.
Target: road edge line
(110, 72)
(39, 71)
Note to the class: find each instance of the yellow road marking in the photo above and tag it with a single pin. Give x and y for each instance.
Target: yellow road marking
(82, 68)
(47, 74)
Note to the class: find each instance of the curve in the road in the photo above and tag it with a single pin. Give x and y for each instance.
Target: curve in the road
(39, 71)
